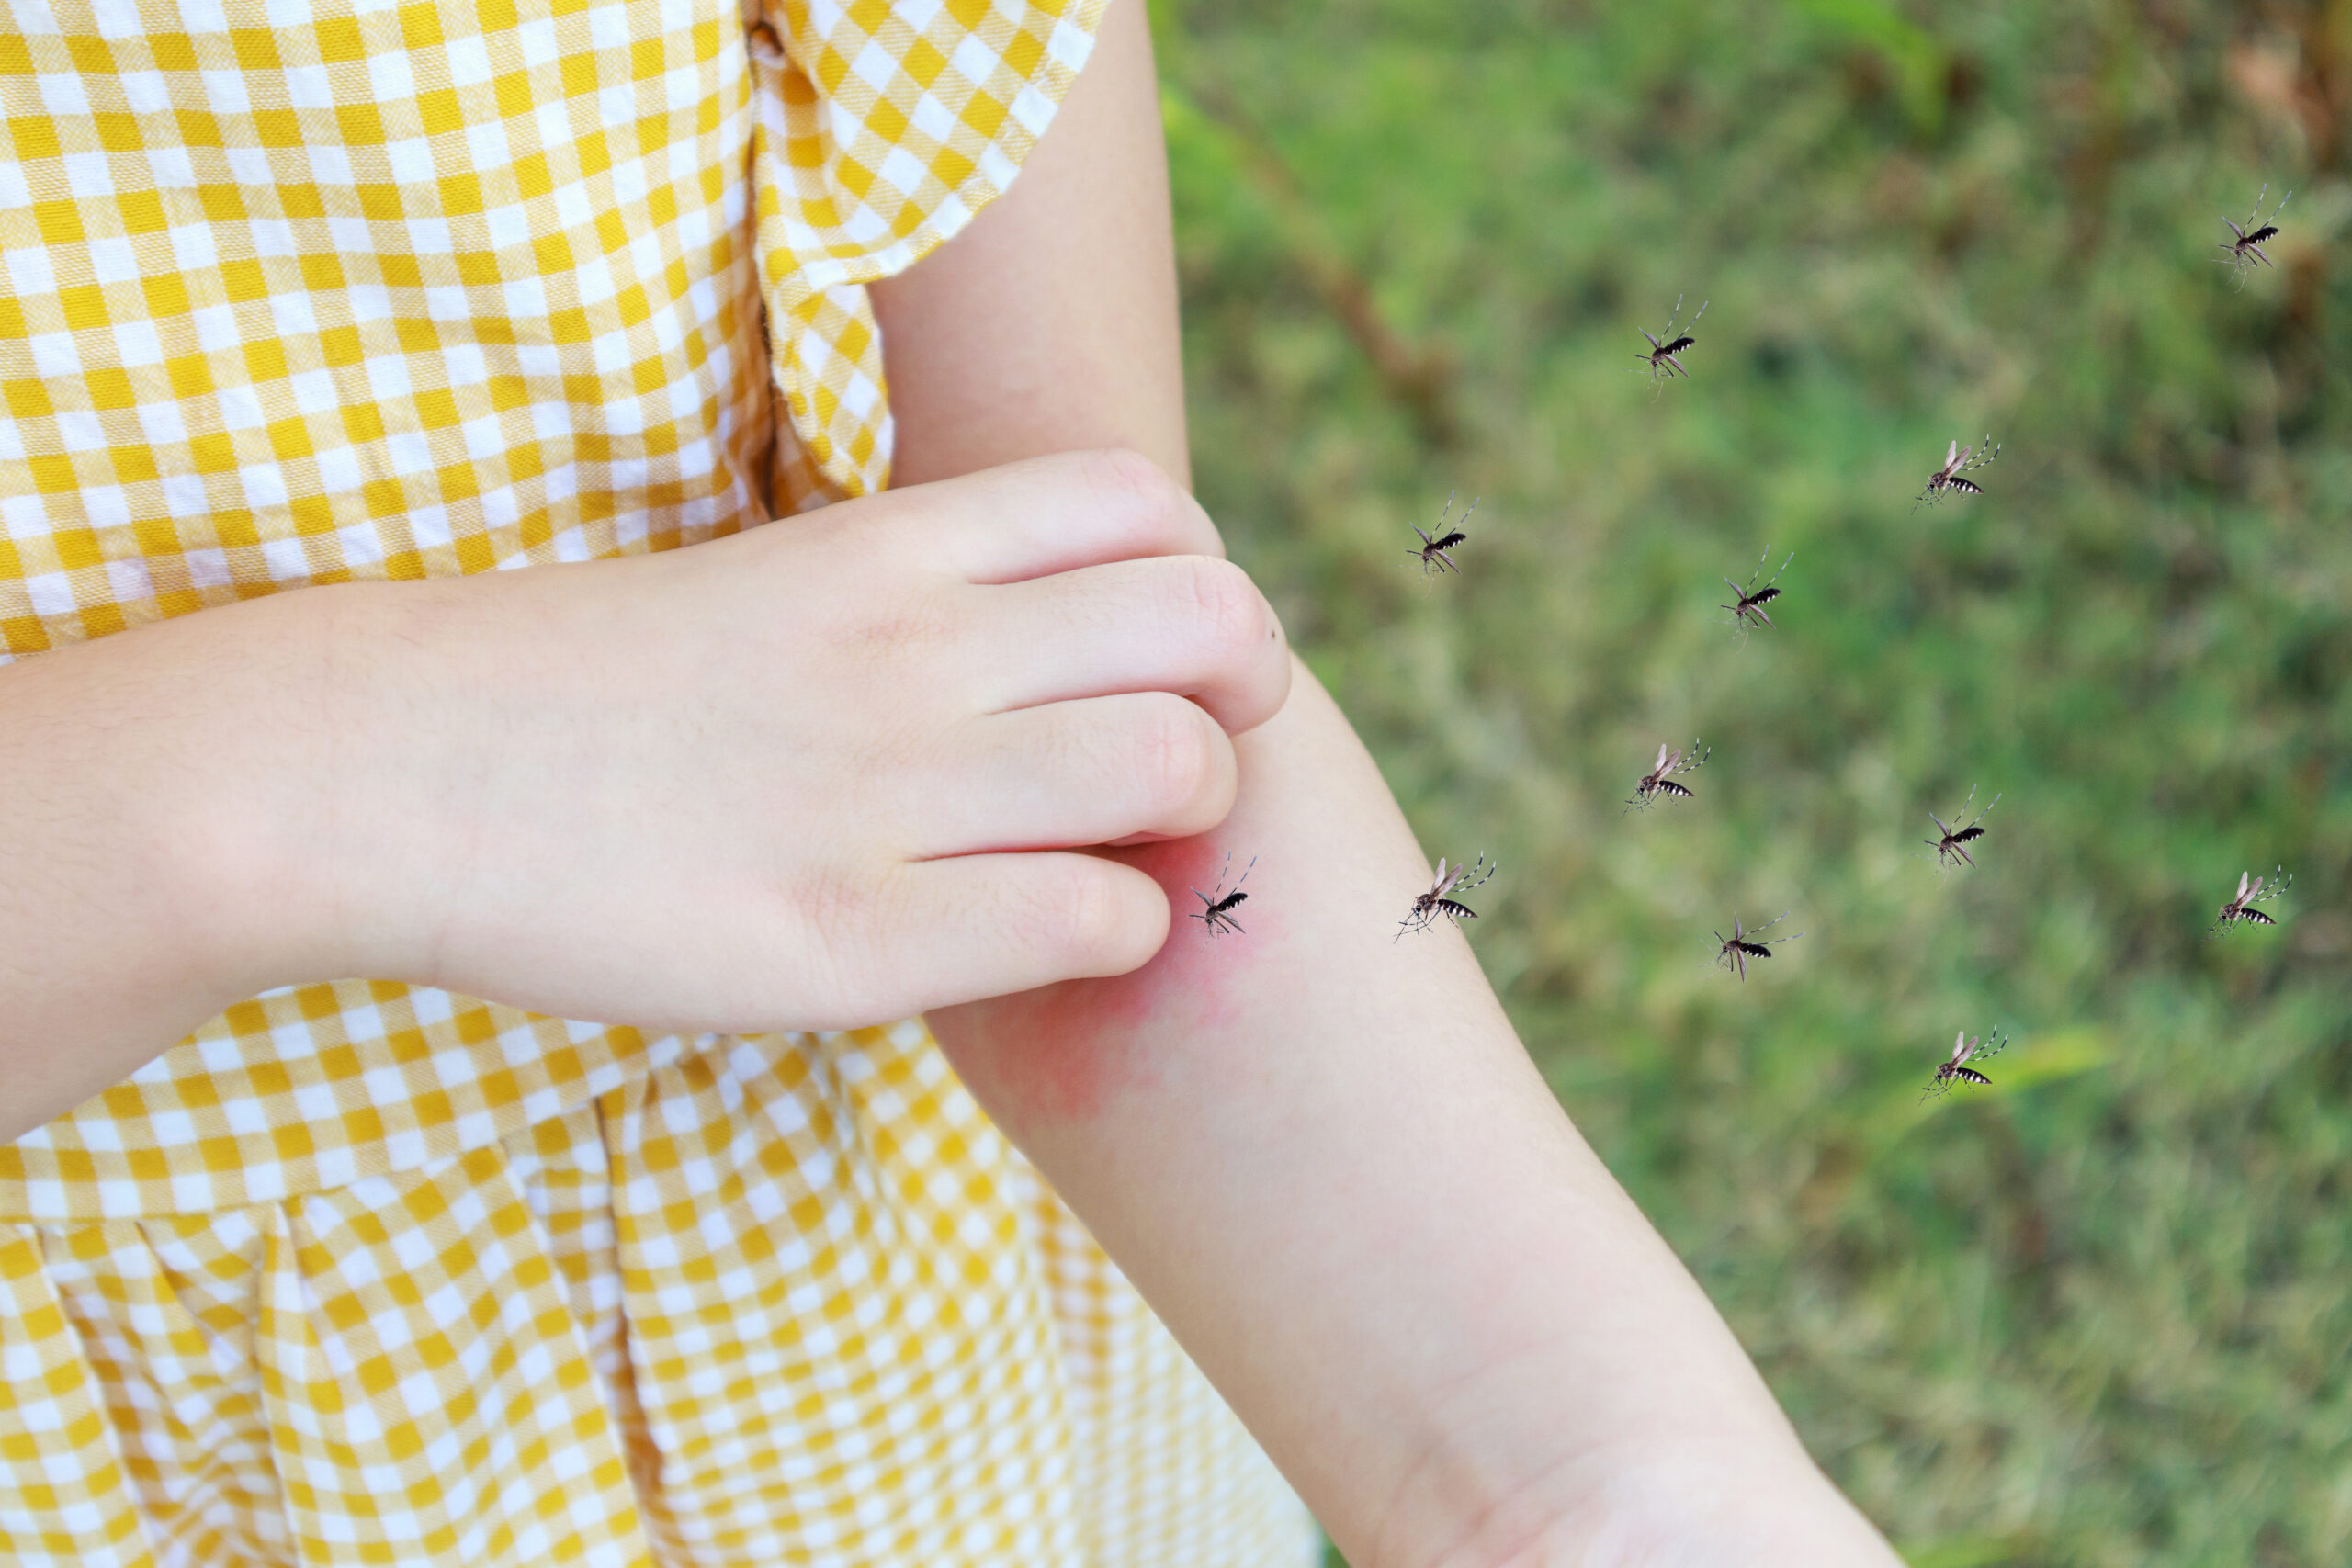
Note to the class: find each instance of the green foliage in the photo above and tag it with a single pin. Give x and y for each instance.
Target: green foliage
(2097, 1315)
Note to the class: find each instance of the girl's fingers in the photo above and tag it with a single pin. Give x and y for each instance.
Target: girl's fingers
(1189, 625)
(994, 925)
(1070, 774)
(1050, 515)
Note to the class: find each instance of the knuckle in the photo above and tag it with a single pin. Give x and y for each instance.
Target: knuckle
(1076, 911)
(1218, 603)
(1117, 473)
(904, 627)
(1168, 749)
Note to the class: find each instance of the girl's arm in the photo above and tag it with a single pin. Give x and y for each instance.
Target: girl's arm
(1323, 1154)
(146, 878)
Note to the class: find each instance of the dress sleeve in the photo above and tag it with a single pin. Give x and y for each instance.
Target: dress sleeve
(880, 128)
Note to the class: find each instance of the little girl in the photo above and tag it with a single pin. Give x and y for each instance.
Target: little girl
(316, 315)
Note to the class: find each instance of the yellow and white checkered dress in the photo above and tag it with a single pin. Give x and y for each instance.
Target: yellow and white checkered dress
(297, 291)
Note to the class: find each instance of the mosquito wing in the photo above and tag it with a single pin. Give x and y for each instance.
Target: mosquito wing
(1659, 766)
(1961, 1048)
(2243, 888)
(1952, 457)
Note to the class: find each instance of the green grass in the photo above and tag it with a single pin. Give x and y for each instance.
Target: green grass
(2102, 1314)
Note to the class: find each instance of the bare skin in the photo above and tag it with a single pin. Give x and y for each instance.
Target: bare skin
(679, 804)
(1326, 1161)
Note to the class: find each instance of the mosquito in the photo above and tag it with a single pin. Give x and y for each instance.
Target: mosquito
(1216, 912)
(1963, 1050)
(2245, 244)
(1957, 462)
(1747, 944)
(1659, 780)
(2251, 890)
(1661, 361)
(1433, 546)
(1433, 903)
(1954, 842)
(1749, 610)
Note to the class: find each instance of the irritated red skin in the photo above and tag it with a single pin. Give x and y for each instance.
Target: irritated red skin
(1069, 1052)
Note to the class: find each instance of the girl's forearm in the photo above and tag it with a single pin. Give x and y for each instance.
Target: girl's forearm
(1322, 1155)
(151, 845)
(1321, 1152)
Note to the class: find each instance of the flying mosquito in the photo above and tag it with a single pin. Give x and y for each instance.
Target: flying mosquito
(1745, 945)
(1659, 780)
(1431, 555)
(1433, 903)
(2245, 244)
(2251, 890)
(1218, 910)
(1661, 361)
(1749, 610)
(1953, 844)
(1963, 1050)
(1957, 462)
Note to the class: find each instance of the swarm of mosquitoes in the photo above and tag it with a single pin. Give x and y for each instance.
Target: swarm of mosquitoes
(1662, 362)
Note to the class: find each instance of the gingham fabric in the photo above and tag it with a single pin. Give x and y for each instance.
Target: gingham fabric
(297, 291)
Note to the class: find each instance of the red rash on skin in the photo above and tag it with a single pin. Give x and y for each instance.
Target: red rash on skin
(1066, 1052)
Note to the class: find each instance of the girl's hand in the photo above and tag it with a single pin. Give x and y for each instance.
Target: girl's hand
(817, 774)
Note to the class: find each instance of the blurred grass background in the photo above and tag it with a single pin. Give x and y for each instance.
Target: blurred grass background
(2101, 1314)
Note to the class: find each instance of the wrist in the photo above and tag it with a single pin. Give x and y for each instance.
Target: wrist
(1695, 1498)
(297, 859)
